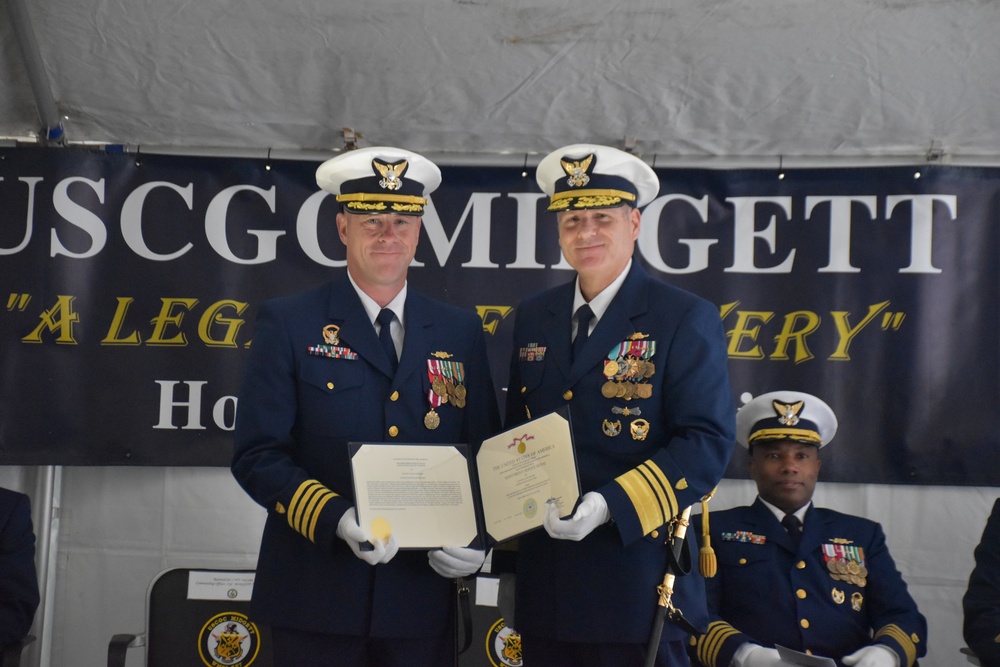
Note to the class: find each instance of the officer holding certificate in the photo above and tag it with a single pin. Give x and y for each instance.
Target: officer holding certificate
(641, 365)
(359, 359)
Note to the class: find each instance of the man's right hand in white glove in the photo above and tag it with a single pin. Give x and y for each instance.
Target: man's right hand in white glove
(758, 656)
(349, 530)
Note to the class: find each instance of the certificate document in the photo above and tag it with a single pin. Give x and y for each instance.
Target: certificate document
(522, 469)
(421, 494)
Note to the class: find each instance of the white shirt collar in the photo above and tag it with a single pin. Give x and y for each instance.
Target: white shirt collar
(780, 514)
(372, 309)
(600, 303)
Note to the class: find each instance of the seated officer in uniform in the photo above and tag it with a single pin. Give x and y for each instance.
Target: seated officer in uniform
(363, 359)
(982, 599)
(802, 577)
(641, 366)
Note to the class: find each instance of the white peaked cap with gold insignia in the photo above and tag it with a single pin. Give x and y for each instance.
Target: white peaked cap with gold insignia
(586, 176)
(380, 179)
(786, 415)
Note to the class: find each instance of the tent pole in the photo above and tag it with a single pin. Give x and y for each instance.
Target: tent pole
(52, 128)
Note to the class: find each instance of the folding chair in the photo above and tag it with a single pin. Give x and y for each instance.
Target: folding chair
(198, 617)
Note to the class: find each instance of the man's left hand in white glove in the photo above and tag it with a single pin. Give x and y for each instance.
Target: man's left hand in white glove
(590, 513)
(875, 655)
(454, 562)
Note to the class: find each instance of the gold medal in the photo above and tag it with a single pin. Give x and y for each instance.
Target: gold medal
(838, 596)
(856, 601)
(639, 429)
(853, 568)
(609, 389)
(461, 392)
(458, 402)
(611, 429)
(863, 572)
(438, 387)
(644, 390)
(432, 419)
(610, 369)
(648, 369)
(629, 391)
(620, 390)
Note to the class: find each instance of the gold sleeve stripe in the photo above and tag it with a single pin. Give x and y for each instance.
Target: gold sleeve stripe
(671, 510)
(305, 506)
(710, 643)
(658, 493)
(896, 633)
(651, 494)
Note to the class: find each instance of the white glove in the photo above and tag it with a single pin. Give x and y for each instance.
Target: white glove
(454, 562)
(758, 656)
(875, 655)
(349, 530)
(591, 513)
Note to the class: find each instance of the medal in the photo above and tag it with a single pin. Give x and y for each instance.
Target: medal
(639, 429)
(838, 596)
(611, 429)
(609, 389)
(432, 420)
(856, 600)
(610, 369)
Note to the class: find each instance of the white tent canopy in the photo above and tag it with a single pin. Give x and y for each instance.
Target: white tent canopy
(687, 79)
(725, 82)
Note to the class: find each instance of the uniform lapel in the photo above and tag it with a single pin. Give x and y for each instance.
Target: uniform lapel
(554, 332)
(356, 330)
(618, 321)
(771, 527)
(417, 340)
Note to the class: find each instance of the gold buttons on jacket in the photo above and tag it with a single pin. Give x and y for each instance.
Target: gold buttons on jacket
(801, 565)
(329, 385)
(654, 534)
(801, 594)
(743, 561)
(804, 623)
(524, 389)
(568, 395)
(393, 431)
(394, 396)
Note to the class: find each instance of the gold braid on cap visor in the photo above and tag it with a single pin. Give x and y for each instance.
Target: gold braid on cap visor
(592, 197)
(800, 434)
(365, 196)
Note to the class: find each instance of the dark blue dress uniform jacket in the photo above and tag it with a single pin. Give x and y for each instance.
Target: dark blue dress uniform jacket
(297, 412)
(603, 588)
(18, 578)
(981, 603)
(773, 593)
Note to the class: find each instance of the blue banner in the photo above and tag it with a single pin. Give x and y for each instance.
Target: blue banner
(130, 287)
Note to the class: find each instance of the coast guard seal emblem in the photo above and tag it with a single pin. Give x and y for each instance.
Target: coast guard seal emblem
(503, 646)
(229, 639)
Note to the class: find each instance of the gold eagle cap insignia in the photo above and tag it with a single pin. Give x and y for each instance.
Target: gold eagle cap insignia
(637, 336)
(442, 355)
(577, 170)
(788, 413)
(392, 174)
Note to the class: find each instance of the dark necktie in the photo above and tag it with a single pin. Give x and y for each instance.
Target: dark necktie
(384, 319)
(793, 526)
(583, 316)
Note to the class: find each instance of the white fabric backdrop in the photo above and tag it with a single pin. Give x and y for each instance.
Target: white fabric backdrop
(119, 527)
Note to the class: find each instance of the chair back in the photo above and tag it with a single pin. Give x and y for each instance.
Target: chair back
(202, 617)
